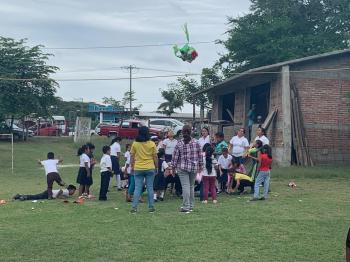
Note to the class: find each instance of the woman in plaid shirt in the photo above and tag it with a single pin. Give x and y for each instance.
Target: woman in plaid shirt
(187, 160)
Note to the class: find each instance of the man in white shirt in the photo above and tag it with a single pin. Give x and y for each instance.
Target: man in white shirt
(51, 172)
(106, 172)
(239, 145)
(56, 194)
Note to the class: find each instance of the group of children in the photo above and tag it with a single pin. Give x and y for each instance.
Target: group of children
(222, 172)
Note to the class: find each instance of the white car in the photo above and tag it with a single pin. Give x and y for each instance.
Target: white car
(166, 123)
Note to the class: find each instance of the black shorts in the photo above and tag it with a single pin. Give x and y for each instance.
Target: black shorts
(159, 182)
(82, 178)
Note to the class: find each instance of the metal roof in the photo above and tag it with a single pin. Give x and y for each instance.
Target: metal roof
(274, 66)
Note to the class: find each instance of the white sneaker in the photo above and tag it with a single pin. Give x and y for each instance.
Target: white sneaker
(215, 201)
(205, 201)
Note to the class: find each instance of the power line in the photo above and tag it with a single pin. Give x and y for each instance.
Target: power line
(168, 76)
(125, 46)
(94, 79)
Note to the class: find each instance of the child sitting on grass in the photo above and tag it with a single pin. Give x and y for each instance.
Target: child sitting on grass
(59, 193)
(235, 167)
(51, 171)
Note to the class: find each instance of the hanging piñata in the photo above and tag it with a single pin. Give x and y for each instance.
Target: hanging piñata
(186, 52)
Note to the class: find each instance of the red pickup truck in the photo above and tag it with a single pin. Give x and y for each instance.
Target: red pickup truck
(127, 129)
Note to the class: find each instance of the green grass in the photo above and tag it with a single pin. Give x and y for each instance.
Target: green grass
(306, 224)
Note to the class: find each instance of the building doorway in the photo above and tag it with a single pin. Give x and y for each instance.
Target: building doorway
(228, 104)
(260, 97)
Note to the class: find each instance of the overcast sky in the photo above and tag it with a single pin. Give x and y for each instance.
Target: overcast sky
(85, 23)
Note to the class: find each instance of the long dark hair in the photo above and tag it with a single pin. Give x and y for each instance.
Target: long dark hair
(186, 133)
(266, 149)
(116, 140)
(259, 144)
(207, 148)
(82, 150)
(143, 135)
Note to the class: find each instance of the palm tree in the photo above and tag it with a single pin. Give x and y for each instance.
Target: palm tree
(173, 101)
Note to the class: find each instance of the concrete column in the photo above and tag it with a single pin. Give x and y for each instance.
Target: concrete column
(287, 120)
(101, 117)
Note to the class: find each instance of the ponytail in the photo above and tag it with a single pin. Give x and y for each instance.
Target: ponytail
(82, 150)
(186, 134)
(208, 157)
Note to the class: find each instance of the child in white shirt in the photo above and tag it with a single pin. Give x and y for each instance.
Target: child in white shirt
(106, 172)
(51, 171)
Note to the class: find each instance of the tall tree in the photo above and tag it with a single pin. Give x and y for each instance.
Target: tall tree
(280, 30)
(173, 101)
(185, 87)
(25, 84)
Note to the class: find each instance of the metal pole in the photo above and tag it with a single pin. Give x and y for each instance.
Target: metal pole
(12, 152)
(130, 90)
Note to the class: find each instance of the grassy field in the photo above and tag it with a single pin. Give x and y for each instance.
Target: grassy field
(306, 224)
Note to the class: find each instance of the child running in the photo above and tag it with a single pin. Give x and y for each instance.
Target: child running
(209, 174)
(84, 178)
(106, 172)
(265, 160)
(51, 171)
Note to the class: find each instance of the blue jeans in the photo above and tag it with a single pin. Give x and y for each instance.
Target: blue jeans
(131, 187)
(140, 176)
(262, 177)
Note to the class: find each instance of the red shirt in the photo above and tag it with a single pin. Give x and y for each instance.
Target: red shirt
(265, 163)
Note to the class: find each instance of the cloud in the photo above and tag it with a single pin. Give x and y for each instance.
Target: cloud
(64, 23)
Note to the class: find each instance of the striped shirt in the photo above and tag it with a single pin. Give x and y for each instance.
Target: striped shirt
(187, 157)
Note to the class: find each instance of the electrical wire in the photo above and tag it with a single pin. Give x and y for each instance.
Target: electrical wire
(125, 46)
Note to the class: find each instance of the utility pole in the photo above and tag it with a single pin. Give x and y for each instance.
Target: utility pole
(130, 68)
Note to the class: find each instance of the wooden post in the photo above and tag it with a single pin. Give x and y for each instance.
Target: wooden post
(286, 112)
(193, 114)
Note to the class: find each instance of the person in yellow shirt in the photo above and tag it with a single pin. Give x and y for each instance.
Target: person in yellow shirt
(241, 181)
(143, 162)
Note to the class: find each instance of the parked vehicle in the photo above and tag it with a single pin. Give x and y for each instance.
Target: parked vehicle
(47, 129)
(166, 123)
(98, 127)
(126, 129)
(60, 123)
(16, 131)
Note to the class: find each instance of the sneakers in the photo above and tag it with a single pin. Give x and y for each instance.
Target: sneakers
(254, 199)
(133, 211)
(262, 198)
(186, 211)
(205, 201)
(152, 210)
(215, 201)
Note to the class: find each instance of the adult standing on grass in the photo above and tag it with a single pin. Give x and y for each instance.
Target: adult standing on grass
(238, 145)
(188, 161)
(144, 161)
(205, 138)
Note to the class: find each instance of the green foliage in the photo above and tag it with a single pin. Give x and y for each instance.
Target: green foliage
(280, 30)
(20, 98)
(173, 101)
(112, 101)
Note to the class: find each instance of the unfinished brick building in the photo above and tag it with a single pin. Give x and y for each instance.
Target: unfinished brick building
(310, 97)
